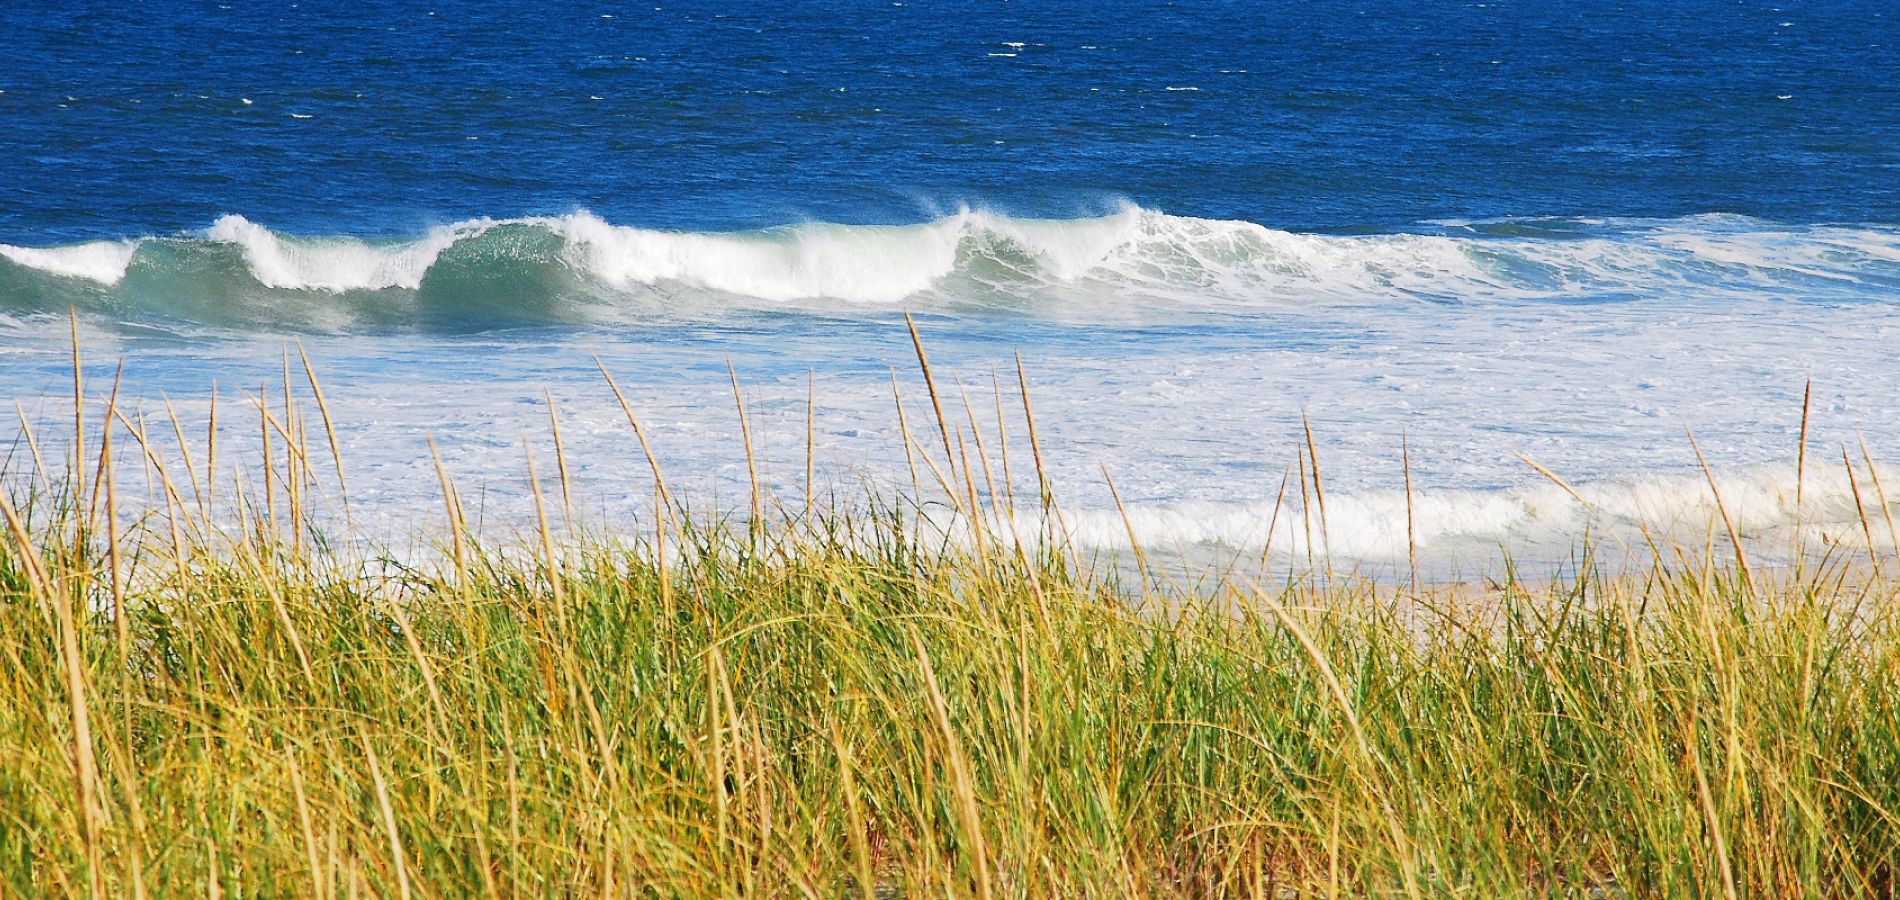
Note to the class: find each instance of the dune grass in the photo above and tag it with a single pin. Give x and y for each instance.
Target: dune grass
(828, 704)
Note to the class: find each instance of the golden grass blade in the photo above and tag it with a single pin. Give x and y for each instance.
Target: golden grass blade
(1880, 493)
(1002, 443)
(1366, 759)
(79, 425)
(319, 884)
(174, 501)
(1058, 533)
(1555, 479)
(923, 363)
(452, 506)
(1134, 542)
(329, 425)
(1801, 451)
(173, 497)
(653, 462)
(30, 560)
(1735, 538)
(1860, 510)
(211, 447)
(560, 460)
(751, 458)
(1319, 493)
(982, 454)
(1306, 506)
(1273, 521)
(390, 828)
(979, 526)
(854, 811)
(33, 445)
(1706, 804)
(549, 560)
(1035, 441)
(1411, 514)
(811, 437)
(269, 526)
(99, 473)
(114, 563)
(903, 429)
(962, 781)
(85, 767)
(184, 451)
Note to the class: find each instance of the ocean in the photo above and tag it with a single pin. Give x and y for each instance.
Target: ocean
(1487, 232)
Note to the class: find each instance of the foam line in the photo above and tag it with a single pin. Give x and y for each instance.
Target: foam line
(1371, 526)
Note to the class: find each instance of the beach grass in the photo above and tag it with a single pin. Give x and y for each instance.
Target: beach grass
(831, 703)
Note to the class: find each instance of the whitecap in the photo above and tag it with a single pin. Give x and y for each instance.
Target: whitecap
(102, 261)
(337, 263)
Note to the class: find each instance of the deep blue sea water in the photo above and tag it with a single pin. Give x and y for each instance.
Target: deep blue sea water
(128, 119)
(1565, 230)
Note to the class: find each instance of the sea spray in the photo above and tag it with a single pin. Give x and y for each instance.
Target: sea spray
(1128, 264)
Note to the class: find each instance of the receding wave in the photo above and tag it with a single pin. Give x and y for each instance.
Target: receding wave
(579, 268)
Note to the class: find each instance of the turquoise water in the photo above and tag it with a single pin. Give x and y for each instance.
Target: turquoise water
(1494, 228)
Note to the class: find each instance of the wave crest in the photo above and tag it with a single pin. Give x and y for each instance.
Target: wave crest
(104, 262)
(337, 264)
(579, 265)
(863, 264)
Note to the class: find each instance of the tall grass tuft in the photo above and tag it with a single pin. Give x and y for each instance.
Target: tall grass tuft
(828, 703)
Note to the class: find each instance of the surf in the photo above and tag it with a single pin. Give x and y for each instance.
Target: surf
(1133, 261)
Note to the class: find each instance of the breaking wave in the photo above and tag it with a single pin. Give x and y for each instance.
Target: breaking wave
(103, 262)
(336, 264)
(579, 267)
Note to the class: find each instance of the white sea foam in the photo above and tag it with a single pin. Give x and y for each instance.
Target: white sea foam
(867, 264)
(1372, 526)
(337, 264)
(1158, 253)
(1137, 258)
(1223, 263)
(1230, 260)
(859, 263)
(101, 261)
(1195, 423)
